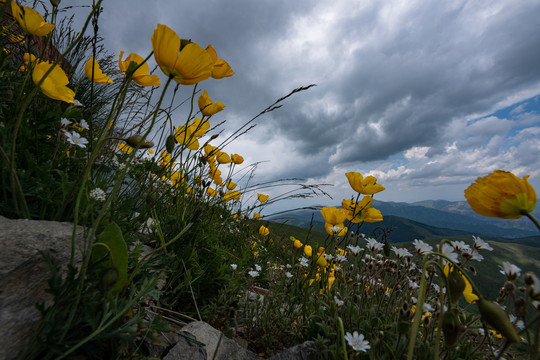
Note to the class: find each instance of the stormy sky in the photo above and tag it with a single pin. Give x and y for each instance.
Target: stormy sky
(424, 95)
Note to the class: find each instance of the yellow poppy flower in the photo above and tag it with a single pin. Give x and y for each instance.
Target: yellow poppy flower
(223, 158)
(187, 64)
(30, 20)
(141, 75)
(221, 67)
(199, 127)
(262, 198)
(501, 194)
(207, 106)
(321, 260)
(336, 230)
(230, 185)
(55, 84)
(211, 192)
(125, 148)
(308, 250)
(365, 186)
(333, 215)
(237, 159)
(99, 76)
(298, 244)
(231, 195)
(184, 136)
(362, 211)
(257, 216)
(264, 231)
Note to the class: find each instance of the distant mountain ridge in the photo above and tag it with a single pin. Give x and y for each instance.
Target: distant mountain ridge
(432, 218)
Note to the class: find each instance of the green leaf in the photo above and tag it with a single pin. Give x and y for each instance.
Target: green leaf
(115, 249)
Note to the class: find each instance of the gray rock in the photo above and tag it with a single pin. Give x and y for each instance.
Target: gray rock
(305, 351)
(187, 348)
(24, 275)
(227, 350)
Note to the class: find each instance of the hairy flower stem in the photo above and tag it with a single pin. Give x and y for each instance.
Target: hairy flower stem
(533, 220)
(422, 295)
(341, 337)
(91, 235)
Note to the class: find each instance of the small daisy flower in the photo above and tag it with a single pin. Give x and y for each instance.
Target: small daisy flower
(421, 247)
(304, 261)
(480, 244)
(475, 255)
(374, 245)
(357, 341)
(401, 252)
(257, 267)
(65, 122)
(234, 266)
(510, 270)
(354, 249)
(97, 194)
(460, 246)
(84, 124)
(340, 258)
(253, 273)
(76, 139)
(338, 302)
(328, 257)
(288, 274)
(449, 252)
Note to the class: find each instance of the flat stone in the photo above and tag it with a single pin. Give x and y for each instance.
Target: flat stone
(24, 275)
(187, 348)
(228, 349)
(305, 351)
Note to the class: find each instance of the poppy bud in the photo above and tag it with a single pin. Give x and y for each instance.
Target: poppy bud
(169, 144)
(451, 327)
(495, 316)
(457, 285)
(55, 2)
(135, 140)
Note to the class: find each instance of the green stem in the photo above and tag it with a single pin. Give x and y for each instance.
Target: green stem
(533, 220)
(341, 334)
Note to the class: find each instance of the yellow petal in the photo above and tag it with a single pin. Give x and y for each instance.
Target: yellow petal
(99, 77)
(55, 84)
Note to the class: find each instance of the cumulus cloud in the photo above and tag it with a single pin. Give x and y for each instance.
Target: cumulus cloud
(420, 94)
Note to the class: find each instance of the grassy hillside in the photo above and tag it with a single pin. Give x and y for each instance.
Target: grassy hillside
(488, 278)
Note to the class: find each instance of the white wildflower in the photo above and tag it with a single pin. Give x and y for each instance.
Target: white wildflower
(401, 252)
(460, 246)
(65, 122)
(338, 302)
(449, 252)
(288, 274)
(304, 261)
(354, 249)
(480, 244)
(475, 255)
(84, 124)
(374, 245)
(234, 266)
(76, 139)
(77, 103)
(253, 273)
(341, 258)
(357, 342)
(422, 247)
(257, 267)
(510, 270)
(97, 194)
